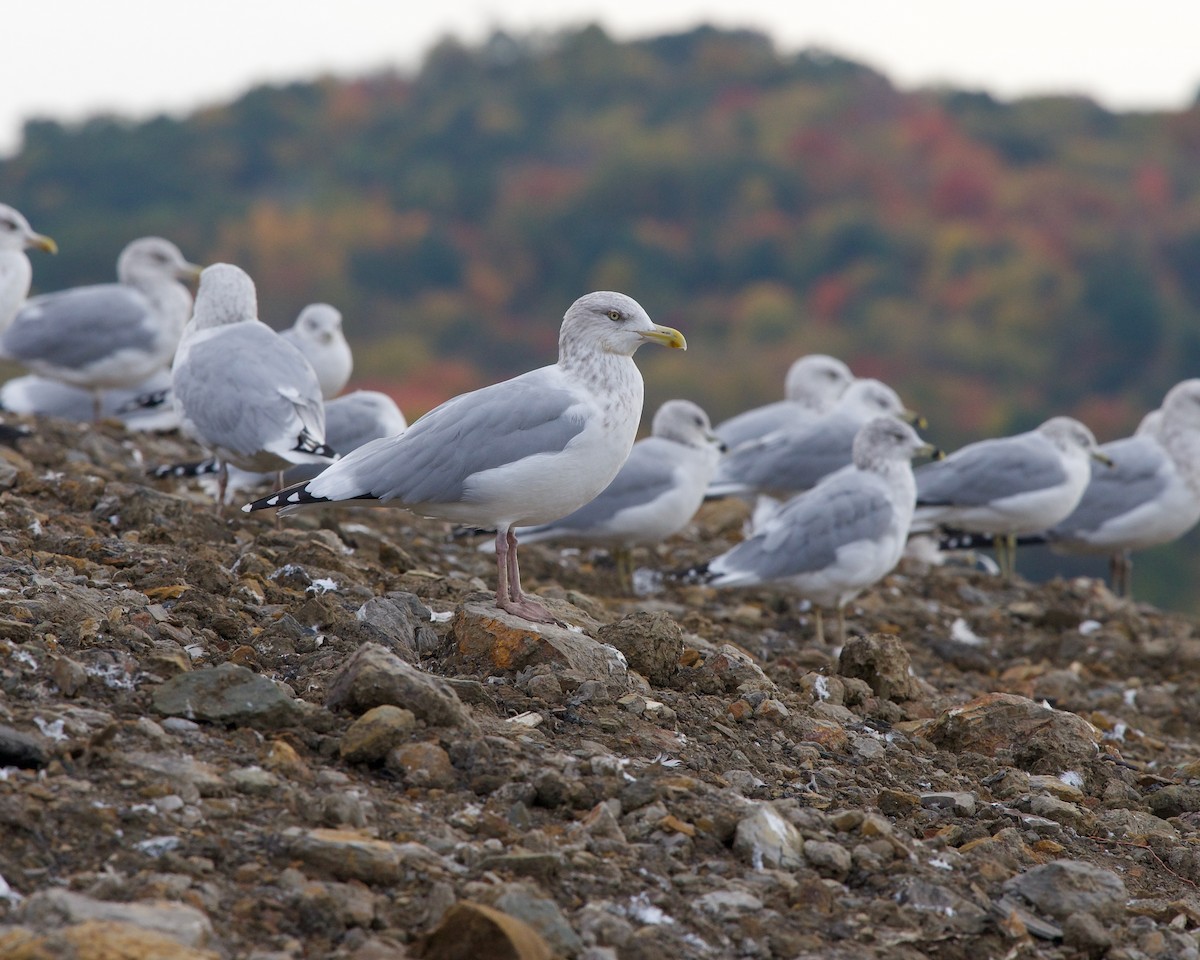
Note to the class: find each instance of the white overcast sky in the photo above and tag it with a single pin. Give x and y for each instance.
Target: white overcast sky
(67, 59)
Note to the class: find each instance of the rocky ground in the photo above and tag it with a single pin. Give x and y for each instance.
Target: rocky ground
(224, 738)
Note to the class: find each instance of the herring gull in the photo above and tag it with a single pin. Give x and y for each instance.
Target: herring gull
(835, 540)
(16, 272)
(33, 394)
(318, 333)
(1008, 486)
(243, 391)
(112, 334)
(813, 384)
(790, 460)
(653, 496)
(521, 452)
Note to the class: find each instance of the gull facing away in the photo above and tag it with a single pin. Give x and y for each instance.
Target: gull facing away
(318, 333)
(812, 386)
(1008, 486)
(521, 452)
(16, 272)
(654, 495)
(1149, 496)
(830, 543)
(788, 461)
(112, 334)
(243, 391)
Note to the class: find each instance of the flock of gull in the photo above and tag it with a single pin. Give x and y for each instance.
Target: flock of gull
(550, 454)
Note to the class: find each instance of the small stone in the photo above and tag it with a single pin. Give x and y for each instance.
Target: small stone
(70, 677)
(545, 686)
(767, 841)
(19, 749)
(897, 803)
(253, 780)
(740, 710)
(1086, 934)
(652, 643)
(828, 858)
(961, 802)
(474, 930)
(423, 764)
(1060, 811)
(228, 694)
(345, 854)
(374, 676)
(1135, 825)
(1173, 800)
(1063, 887)
(369, 738)
(729, 904)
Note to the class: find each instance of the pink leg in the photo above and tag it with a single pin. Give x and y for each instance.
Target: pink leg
(509, 596)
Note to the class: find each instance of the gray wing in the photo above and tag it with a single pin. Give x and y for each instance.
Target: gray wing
(74, 328)
(648, 474)
(1137, 476)
(985, 472)
(791, 460)
(235, 389)
(807, 532)
(432, 460)
(752, 424)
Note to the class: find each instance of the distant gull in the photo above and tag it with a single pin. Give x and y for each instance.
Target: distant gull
(521, 452)
(107, 335)
(790, 460)
(243, 391)
(16, 272)
(1149, 496)
(1008, 486)
(318, 333)
(351, 420)
(813, 384)
(33, 394)
(653, 496)
(830, 543)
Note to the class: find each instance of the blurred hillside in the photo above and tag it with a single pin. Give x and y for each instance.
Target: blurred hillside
(996, 262)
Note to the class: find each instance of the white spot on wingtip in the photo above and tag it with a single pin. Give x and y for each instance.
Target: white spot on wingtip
(247, 507)
(294, 498)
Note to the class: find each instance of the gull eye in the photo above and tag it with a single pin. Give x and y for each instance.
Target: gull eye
(614, 315)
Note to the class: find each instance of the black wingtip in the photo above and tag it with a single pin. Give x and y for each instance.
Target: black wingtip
(699, 574)
(294, 496)
(197, 468)
(306, 443)
(145, 401)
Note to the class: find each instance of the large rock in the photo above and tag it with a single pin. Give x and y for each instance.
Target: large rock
(96, 940)
(229, 694)
(492, 641)
(374, 676)
(1064, 887)
(1037, 737)
(881, 660)
(401, 622)
(650, 642)
(183, 924)
(473, 930)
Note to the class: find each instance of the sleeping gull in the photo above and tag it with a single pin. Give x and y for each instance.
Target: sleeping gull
(243, 391)
(112, 334)
(832, 542)
(318, 333)
(790, 460)
(16, 272)
(1008, 486)
(521, 452)
(813, 384)
(1149, 496)
(654, 494)
(33, 394)
(351, 420)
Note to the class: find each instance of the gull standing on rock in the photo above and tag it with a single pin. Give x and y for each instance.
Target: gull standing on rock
(107, 335)
(1008, 486)
(318, 333)
(654, 494)
(243, 391)
(812, 386)
(16, 272)
(832, 542)
(521, 452)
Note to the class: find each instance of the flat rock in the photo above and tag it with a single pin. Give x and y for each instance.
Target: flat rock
(97, 940)
(1038, 738)
(345, 854)
(1063, 887)
(183, 924)
(374, 676)
(228, 694)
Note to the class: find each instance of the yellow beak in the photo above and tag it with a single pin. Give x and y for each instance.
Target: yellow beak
(41, 242)
(1103, 458)
(911, 416)
(190, 271)
(667, 336)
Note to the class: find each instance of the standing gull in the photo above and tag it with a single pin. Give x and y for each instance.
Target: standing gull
(521, 452)
(654, 494)
(107, 335)
(813, 384)
(1008, 486)
(832, 542)
(32, 394)
(790, 460)
(16, 272)
(318, 333)
(1151, 493)
(243, 391)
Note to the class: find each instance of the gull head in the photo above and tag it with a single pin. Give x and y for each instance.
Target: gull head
(154, 259)
(609, 322)
(321, 323)
(226, 295)
(1072, 438)
(1181, 405)
(817, 380)
(867, 398)
(17, 234)
(886, 439)
(684, 422)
